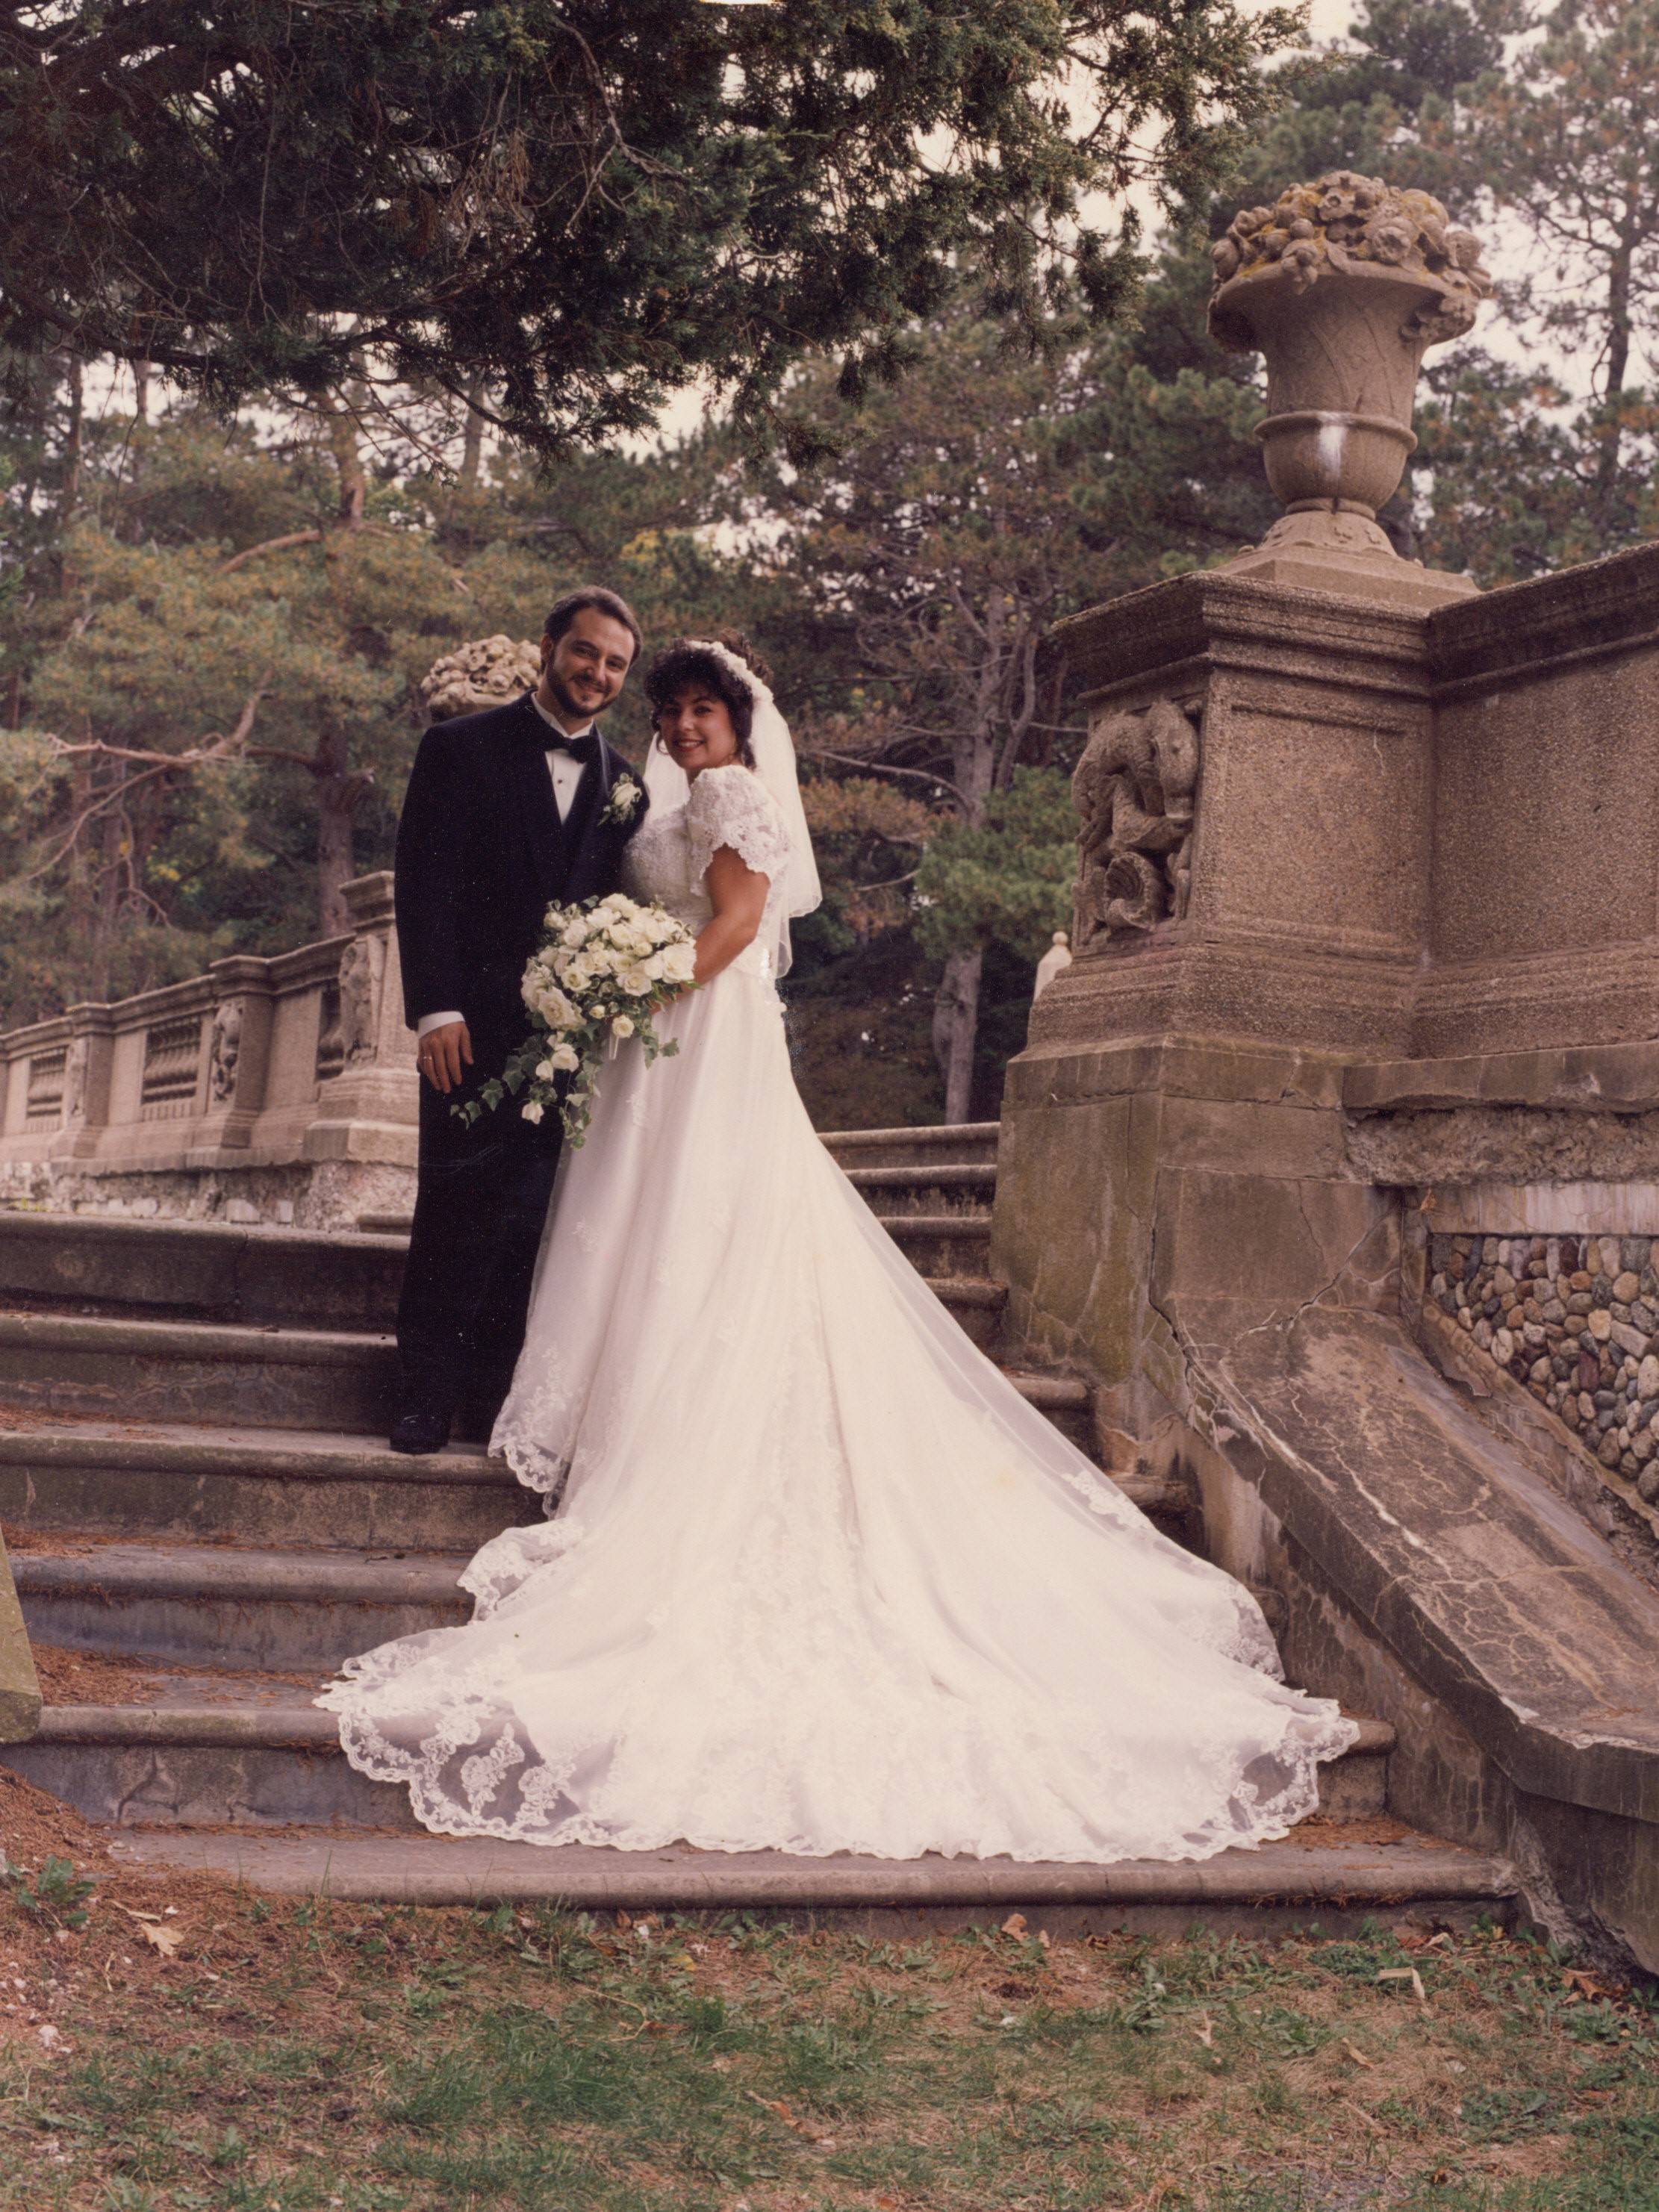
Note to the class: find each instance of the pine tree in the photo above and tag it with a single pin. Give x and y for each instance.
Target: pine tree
(555, 212)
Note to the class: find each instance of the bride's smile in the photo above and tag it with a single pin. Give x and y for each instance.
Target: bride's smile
(695, 729)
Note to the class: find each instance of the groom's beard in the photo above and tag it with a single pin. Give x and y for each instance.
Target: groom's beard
(570, 710)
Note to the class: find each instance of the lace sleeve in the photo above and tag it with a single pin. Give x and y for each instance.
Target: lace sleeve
(731, 806)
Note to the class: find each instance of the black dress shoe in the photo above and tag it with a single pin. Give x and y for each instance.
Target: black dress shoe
(418, 1428)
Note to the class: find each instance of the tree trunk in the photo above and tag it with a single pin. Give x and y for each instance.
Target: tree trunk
(69, 483)
(78, 886)
(1618, 364)
(106, 908)
(141, 390)
(69, 491)
(348, 461)
(472, 436)
(956, 1029)
(338, 794)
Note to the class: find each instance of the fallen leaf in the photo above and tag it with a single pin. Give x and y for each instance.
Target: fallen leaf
(1407, 1974)
(166, 1940)
(1357, 2057)
(1360, 2113)
(1205, 2032)
(1587, 1985)
(786, 2112)
(1014, 1924)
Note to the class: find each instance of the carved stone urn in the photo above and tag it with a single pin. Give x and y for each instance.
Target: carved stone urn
(1342, 285)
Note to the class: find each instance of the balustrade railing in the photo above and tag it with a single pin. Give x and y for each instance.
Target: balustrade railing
(271, 1072)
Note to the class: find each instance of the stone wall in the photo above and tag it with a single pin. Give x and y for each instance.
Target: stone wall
(1576, 1320)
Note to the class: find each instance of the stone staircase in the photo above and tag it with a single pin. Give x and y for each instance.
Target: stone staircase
(204, 1521)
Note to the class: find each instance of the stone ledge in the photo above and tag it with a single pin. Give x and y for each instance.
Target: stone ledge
(1457, 1554)
(1611, 1079)
(1224, 1070)
(1211, 617)
(1607, 604)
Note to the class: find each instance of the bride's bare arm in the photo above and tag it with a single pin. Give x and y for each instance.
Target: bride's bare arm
(738, 895)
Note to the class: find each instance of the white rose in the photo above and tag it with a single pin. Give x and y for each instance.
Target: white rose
(622, 1027)
(556, 1011)
(636, 981)
(533, 1109)
(563, 1059)
(543, 1071)
(678, 962)
(575, 934)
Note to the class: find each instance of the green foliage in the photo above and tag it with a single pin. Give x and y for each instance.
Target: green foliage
(56, 1894)
(1005, 880)
(564, 213)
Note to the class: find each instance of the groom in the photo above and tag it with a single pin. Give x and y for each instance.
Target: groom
(505, 811)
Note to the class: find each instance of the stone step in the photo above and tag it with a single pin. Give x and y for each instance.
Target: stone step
(272, 1488)
(943, 1244)
(200, 1270)
(125, 1368)
(941, 1241)
(271, 1549)
(131, 1368)
(212, 1751)
(897, 1192)
(244, 1609)
(1328, 1876)
(973, 1143)
(931, 1152)
(321, 1490)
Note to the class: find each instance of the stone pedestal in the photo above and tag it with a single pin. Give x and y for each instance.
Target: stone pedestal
(368, 1111)
(1354, 843)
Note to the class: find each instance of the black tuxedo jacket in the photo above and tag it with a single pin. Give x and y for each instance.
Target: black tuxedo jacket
(481, 853)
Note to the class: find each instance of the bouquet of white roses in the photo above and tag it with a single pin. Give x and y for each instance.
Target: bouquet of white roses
(602, 970)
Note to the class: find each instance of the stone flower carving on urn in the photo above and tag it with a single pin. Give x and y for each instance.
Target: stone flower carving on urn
(486, 673)
(1341, 285)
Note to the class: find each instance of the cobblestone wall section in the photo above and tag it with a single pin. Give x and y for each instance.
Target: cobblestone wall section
(1575, 1320)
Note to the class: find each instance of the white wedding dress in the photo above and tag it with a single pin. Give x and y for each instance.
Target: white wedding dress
(817, 1579)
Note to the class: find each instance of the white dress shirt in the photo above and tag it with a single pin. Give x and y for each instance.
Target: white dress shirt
(566, 772)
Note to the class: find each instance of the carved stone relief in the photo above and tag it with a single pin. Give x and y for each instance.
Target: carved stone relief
(362, 967)
(76, 1062)
(224, 1050)
(1135, 787)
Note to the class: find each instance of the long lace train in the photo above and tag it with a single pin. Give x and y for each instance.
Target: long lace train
(818, 1578)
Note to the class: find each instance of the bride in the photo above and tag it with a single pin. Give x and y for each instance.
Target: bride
(815, 1578)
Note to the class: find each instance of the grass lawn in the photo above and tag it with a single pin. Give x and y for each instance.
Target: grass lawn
(192, 2047)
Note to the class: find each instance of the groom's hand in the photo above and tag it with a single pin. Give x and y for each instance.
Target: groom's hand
(443, 1053)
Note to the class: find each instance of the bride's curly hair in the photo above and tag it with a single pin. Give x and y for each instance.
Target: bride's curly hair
(687, 662)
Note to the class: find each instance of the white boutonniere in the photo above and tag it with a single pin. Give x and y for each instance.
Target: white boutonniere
(623, 803)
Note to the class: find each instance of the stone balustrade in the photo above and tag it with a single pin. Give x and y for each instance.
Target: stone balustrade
(278, 1090)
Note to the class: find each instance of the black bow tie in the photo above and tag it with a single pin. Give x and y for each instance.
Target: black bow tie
(583, 749)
